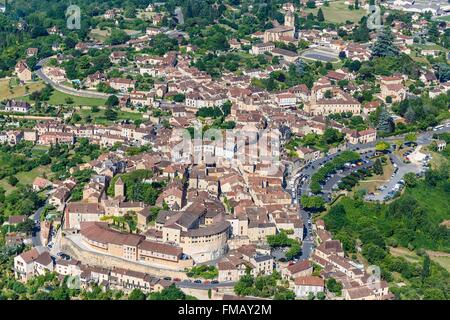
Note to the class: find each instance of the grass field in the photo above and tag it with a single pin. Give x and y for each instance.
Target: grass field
(59, 98)
(443, 261)
(338, 12)
(25, 177)
(444, 18)
(17, 91)
(408, 255)
(99, 35)
(99, 117)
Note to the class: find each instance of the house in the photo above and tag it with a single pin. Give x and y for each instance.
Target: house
(123, 85)
(17, 106)
(22, 71)
(261, 48)
(286, 99)
(299, 269)
(32, 263)
(30, 135)
(118, 56)
(31, 52)
(308, 154)
(55, 73)
(363, 137)
(94, 79)
(41, 183)
(303, 286)
(56, 137)
(234, 44)
(15, 220)
(392, 87)
(59, 197)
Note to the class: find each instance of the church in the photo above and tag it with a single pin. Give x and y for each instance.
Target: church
(284, 33)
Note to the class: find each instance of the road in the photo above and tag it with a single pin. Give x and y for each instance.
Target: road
(193, 285)
(36, 217)
(65, 89)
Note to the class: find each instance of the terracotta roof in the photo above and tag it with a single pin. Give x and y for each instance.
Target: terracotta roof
(309, 281)
(299, 266)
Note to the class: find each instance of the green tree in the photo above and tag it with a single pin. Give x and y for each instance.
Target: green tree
(385, 123)
(12, 180)
(426, 271)
(320, 16)
(112, 101)
(136, 294)
(384, 46)
(377, 167)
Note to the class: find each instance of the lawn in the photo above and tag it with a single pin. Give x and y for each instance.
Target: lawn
(59, 98)
(444, 18)
(338, 12)
(17, 91)
(25, 177)
(99, 35)
(408, 255)
(443, 261)
(376, 180)
(99, 117)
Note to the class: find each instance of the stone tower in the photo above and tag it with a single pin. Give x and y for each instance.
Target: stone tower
(289, 20)
(119, 188)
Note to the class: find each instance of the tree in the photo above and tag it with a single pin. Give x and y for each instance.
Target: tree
(377, 167)
(426, 271)
(311, 4)
(384, 46)
(315, 203)
(136, 294)
(385, 123)
(12, 180)
(110, 114)
(334, 286)
(112, 101)
(117, 36)
(410, 179)
(382, 146)
(320, 16)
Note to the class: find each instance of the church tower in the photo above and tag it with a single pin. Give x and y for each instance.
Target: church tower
(289, 20)
(119, 188)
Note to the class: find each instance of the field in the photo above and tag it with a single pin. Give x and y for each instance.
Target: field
(99, 35)
(99, 117)
(444, 18)
(17, 91)
(25, 177)
(59, 98)
(443, 261)
(338, 12)
(408, 255)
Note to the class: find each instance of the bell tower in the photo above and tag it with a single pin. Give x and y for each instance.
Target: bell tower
(119, 188)
(289, 20)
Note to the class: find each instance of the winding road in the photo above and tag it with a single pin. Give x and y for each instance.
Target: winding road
(65, 89)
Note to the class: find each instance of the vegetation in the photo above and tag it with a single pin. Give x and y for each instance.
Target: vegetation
(203, 271)
(263, 286)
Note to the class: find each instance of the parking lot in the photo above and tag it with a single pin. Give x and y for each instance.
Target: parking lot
(396, 182)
